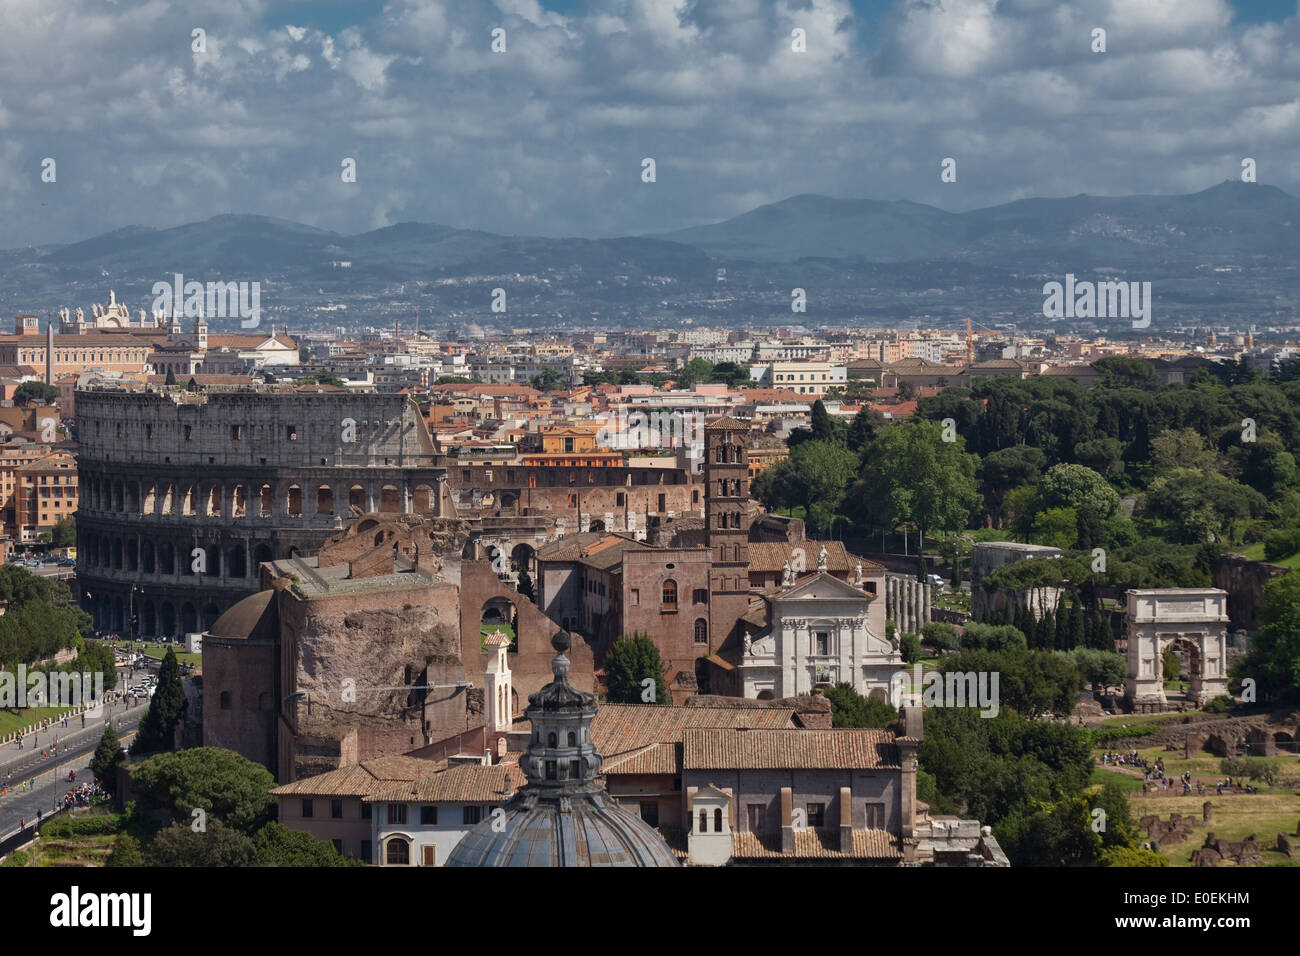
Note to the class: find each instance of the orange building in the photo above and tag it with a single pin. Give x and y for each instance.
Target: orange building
(45, 492)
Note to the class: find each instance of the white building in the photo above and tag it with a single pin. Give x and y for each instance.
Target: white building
(806, 378)
(820, 631)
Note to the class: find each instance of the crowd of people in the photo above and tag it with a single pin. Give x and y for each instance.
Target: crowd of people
(1156, 780)
(79, 796)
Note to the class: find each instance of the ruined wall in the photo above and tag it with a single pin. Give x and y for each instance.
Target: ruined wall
(1244, 581)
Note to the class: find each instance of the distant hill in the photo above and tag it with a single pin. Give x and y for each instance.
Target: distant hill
(1232, 218)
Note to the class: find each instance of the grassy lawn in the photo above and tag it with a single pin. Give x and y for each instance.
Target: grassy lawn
(1147, 720)
(1129, 784)
(12, 721)
(1256, 553)
(151, 649)
(1236, 816)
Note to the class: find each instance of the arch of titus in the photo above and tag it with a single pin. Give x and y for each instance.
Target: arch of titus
(1194, 617)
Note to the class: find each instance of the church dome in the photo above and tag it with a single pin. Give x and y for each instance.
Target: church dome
(562, 816)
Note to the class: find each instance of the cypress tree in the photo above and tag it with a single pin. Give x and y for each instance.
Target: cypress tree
(108, 755)
(166, 707)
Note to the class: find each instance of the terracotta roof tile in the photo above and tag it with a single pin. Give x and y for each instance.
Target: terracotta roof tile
(718, 748)
(818, 844)
(469, 783)
(358, 780)
(620, 728)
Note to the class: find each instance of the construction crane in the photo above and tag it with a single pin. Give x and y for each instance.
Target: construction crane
(970, 338)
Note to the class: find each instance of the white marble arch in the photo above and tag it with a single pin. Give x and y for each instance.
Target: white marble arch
(1159, 617)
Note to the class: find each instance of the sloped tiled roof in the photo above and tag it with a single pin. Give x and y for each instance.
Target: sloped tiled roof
(771, 555)
(469, 783)
(620, 728)
(661, 758)
(817, 844)
(361, 779)
(718, 748)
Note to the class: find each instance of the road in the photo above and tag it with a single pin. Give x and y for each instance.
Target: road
(76, 746)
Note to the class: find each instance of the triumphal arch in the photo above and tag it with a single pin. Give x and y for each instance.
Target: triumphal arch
(1193, 618)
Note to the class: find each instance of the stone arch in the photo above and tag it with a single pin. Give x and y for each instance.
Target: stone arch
(210, 614)
(423, 499)
(166, 558)
(117, 496)
(212, 560)
(150, 499)
(212, 502)
(117, 554)
(293, 501)
(189, 501)
(261, 554)
(324, 500)
(132, 502)
(266, 502)
(236, 561)
(390, 500)
(239, 501)
(597, 524)
(169, 498)
(189, 618)
(166, 619)
(131, 556)
(500, 614)
(148, 619)
(118, 616)
(357, 499)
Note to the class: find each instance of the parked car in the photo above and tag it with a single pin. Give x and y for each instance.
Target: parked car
(68, 563)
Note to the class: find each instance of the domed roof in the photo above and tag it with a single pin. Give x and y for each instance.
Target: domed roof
(256, 618)
(594, 831)
(563, 816)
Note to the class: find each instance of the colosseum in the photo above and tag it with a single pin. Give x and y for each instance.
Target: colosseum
(185, 492)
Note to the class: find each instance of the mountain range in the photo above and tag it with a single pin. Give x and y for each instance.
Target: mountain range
(895, 250)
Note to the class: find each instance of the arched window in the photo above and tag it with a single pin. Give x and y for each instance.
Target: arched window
(670, 593)
(399, 853)
(701, 631)
(573, 739)
(717, 820)
(704, 821)
(551, 740)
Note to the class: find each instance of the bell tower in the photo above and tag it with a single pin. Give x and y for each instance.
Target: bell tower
(726, 499)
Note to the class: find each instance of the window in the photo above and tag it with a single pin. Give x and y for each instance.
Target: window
(365, 811)
(717, 820)
(704, 821)
(757, 814)
(573, 739)
(670, 594)
(472, 815)
(291, 432)
(636, 596)
(430, 854)
(816, 815)
(306, 808)
(397, 813)
(189, 430)
(336, 809)
(399, 853)
(650, 812)
(338, 846)
(700, 596)
(428, 816)
(365, 850)
(236, 432)
(823, 643)
(701, 631)
(550, 770)
(875, 816)
(575, 769)
(619, 499)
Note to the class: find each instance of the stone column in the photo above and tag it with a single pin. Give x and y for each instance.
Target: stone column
(927, 598)
(909, 610)
(889, 599)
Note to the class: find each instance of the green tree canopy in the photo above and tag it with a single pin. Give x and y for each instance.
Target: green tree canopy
(228, 787)
(630, 661)
(166, 708)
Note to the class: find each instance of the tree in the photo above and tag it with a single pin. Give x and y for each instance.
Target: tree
(35, 393)
(178, 845)
(911, 476)
(1172, 667)
(696, 370)
(171, 377)
(851, 709)
(108, 757)
(1074, 486)
(1103, 455)
(525, 586)
(325, 377)
(1120, 371)
(277, 845)
(631, 661)
(126, 852)
(940, 635)
(1006, 469)
(1201, 506)
(64, 534)
(1057, 527)
(226, 786)
(909, 647)
(1101, 669)
(825, 428)
(166, 708)
(992, 638)
(814, 478)
(1274, 658)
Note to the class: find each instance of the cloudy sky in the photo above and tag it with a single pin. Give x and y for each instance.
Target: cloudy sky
(548, 137)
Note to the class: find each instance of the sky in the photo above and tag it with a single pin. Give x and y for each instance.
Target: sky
(147, 125)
